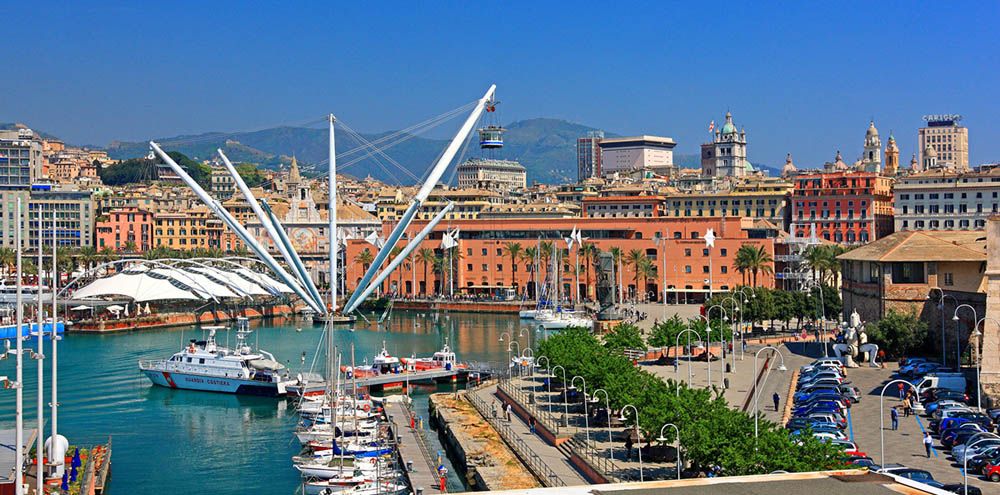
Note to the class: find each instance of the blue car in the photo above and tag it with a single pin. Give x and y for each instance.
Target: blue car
(823, 392)
(818, 407)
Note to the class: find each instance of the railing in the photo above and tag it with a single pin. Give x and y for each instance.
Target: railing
(530, 459)
(605, 466)
(149, 364)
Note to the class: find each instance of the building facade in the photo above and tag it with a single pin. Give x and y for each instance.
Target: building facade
(588, 156)
(758, 200)
(676, 247)
(125, 227)
(948, 139)
(72, 213)
(914, 272)
(726, 155)
(650, 153)
(946, 199)
(847, 207)
(492, 174)
(21, 158)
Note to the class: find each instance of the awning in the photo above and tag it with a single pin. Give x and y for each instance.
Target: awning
(82, 307)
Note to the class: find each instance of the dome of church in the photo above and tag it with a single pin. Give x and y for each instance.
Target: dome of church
(729, 127)
(839, 162)
(789, 167)
(929, 151)
(872, 131)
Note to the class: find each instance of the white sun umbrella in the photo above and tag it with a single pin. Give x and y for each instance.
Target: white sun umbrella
(82, 307)
(114, 308)
(126, 310)
(148, 312)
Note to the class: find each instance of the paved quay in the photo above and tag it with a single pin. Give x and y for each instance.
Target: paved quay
(555, 459)
(412, 449)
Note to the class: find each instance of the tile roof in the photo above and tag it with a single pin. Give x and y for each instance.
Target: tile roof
(923, 246)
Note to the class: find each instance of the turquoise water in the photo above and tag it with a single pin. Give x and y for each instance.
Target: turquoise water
(199, 442)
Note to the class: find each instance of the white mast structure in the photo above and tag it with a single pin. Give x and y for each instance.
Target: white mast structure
(57, 448)
(40, 357)
(332, 209)
(240, 231)
(287, 252)
(19, 409)
(425, 190)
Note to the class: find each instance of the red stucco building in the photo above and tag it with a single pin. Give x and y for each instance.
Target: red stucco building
(848, 207)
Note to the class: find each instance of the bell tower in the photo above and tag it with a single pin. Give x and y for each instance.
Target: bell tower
(872, 159)
(891, 157)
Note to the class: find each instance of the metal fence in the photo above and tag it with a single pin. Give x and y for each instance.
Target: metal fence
(530, 459)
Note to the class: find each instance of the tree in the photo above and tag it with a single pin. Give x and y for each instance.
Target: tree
(393, 253)
(513, 250)
(753, 259)
(129, 247)
(440, 266)
(616, 259)
(899, 334)
(547, 249)
(8, 260)
(364, 258)
(250, 174)
(636, 258)
(426, 256)
(665, 333)
(591, 253)
(624, 336)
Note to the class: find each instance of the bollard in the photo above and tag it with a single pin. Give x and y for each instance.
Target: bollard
(420, 490)
(409, 466)
(725, 382)
(729, 368)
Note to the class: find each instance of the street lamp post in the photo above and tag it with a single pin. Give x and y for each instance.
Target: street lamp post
(607, 402)
(738, 322)
(522, 333)
(565, 403)
(941, 311)
(958, 337)
(822, 313)
(637, 434)
(746, 300)
(510, 362)
(756, 388)
(548, 381)
(965, 462)
(662, 439)
(677, 342)
(586, 412)
(979, 358)
(708, 348)
(662, 253)
(722, 343)
(881, 417)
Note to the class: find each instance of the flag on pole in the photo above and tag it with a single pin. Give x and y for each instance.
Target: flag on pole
(374, 240)
(571, 239)
(447, 241)
(579, 237)
(710, 238)
(711, 126)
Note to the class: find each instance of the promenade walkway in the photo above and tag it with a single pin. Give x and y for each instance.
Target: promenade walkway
(556, 461)
(412, 450)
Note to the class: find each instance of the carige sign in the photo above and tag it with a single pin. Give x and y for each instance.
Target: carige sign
(943, 119)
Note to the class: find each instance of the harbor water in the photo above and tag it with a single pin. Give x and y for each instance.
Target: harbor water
(202, 442)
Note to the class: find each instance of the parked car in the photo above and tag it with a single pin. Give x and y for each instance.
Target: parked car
(978, 461)
(960, 489)
(992, 470)
(863, 461)
(850, 448)
(821, 381)
(818, 392)
(918, 475)
(828, 417)
(959, 437)
(933, 406)
(851, 392)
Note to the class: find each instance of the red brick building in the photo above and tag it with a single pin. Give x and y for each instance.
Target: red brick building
(123, 225)
(483, 264)
(847, 207)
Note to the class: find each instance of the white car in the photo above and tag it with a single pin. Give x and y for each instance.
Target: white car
(986, 441)
(826, 435)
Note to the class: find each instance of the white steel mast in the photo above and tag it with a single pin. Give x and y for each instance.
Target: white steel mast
(40, 358)
(54, 459)
(19, 337)
(332, 209)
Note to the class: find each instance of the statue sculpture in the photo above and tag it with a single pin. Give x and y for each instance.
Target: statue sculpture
(854, 344)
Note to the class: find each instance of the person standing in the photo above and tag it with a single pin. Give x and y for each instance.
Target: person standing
(508, 412)
(906, 407)
(902, 391)
(776, 399)
(531, 424)
(628, 447)
(928, 441)
(894, 415)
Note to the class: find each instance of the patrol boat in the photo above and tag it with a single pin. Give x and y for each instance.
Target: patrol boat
(204, 365)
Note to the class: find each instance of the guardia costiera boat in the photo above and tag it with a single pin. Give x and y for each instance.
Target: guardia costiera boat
(204, 365)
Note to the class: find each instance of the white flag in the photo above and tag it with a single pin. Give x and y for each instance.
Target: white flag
(447, 241)
(374, 240)
(579, 237)
(710, 238)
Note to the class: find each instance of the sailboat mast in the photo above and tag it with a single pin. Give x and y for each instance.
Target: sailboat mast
(40, 358)
(55, 340)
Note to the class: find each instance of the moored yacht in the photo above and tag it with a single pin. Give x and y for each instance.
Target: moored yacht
(204, 365)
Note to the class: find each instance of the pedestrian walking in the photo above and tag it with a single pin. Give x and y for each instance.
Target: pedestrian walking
(531, 424)
(902, 391)
(628, 447)
(777, 400)
(494, 410)
(906, 407)
(508, 412)
(443, 478)
(928, 441)
(894, 415)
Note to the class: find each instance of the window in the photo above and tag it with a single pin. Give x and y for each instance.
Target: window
(468, 267)
(949, 278)
(486, 267)
(704, 269)
(723, 253)
(704, 252)
(499, 267)
(687, 269)
(499, 252)
(908, 273)
(485, 252)
(468, 252)
(724, 269)
(687, 252)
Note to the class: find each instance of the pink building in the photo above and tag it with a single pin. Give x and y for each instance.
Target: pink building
(123, 225)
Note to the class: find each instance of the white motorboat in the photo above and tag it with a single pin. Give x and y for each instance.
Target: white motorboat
(205, 365)
(368, 488)
(326, 431)
(560, 321)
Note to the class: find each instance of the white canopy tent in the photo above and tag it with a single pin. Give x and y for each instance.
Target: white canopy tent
(136, 285)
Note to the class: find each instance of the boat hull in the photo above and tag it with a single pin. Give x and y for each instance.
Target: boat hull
(187, 381)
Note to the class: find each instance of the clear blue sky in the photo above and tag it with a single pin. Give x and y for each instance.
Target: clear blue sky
(801, 77)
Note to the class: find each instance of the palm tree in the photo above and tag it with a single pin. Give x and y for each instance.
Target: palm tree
(399, 273)
(590, 253)
(426, 256)
(7, 259)
(528, 257)
(87, 256)
(364, 258)
(754, 259)
(646, 270)
(635, 258)
(513, 250)
(547, 249)
(129, 247)
(816, 260)
(440, 267)
(616, 258)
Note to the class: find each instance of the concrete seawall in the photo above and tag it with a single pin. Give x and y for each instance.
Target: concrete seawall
(475, 448)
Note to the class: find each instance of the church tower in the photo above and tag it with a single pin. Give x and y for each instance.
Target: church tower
(891, 157)
(872, 159)
(726, 155)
